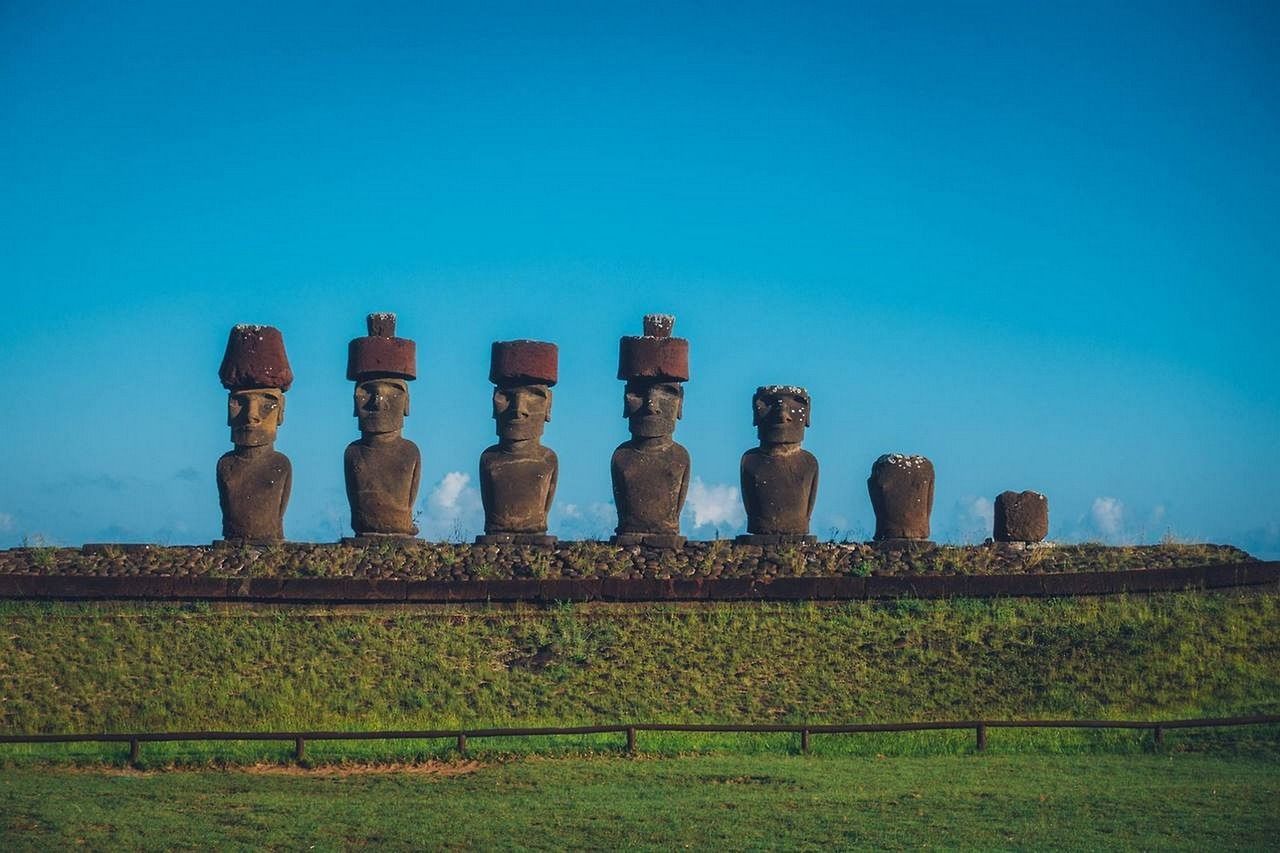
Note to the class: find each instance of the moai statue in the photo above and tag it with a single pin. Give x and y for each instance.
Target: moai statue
(382, 467)
(254, 479)
(518, 475)
(1021, 517)
(901, 490)
(779, 478)
(651, 472)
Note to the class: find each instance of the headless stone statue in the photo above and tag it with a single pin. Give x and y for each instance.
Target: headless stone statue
(779, 478)
(651, 471)
(518, 475)
(901, 489)
(254, 479)
(382, 468)
(1020, 517)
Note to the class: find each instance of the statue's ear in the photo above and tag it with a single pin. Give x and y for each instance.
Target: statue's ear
(808, 412)
(280, 412)
(755, 411)
(680, 404)
(549, 399)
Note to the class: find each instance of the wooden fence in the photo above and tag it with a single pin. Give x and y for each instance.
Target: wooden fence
(806, 731)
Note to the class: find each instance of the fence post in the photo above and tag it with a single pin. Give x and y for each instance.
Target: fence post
(299, 749)
(1159, 733)
(134, 749)
(982, 737)
(631, 740)
(462, 744)
(804, 741)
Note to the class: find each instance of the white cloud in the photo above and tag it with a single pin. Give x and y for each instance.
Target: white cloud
(571, 511)
(446, 493)
(973, 518)
(1107, 515)
(453, 510)
(6, 522)
(717, 504)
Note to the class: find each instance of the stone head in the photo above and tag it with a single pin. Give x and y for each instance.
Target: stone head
(381, 404)
(523, 371)
(256, 373)
(780, 413)
(521, 411)
(254, 415)
(652, 408)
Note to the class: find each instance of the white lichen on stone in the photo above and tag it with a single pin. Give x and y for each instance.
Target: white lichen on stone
(793, 390)
(659, 325)
(902, 460)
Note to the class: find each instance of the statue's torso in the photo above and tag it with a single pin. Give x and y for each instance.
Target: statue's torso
(382, 485)
(777, 490)
(648, 488)
(253, 492)
(515, 489)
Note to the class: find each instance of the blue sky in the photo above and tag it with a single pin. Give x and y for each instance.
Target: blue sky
(1037, 244)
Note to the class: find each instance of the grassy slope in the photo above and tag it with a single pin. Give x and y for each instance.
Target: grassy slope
(139, 667)
(728, 802)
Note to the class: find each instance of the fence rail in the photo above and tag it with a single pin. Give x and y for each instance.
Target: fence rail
(461, 736)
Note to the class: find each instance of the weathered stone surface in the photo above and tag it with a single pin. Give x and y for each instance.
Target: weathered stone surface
(655, 355)
(524, 363)
(901, 489)
(254, 480)
(382, 468)
(779, 478)
(518, 475)
(381, 353)
(1021, 517)
(255, 358)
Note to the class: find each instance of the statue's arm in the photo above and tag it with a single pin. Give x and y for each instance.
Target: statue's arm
(287, 489)
(416, 479)
(349, 473)
(748, 494)
(684, 488)
(813, 490)
(555, 479)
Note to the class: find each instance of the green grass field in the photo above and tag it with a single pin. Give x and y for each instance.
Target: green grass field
(94, 667)
(1139, 802)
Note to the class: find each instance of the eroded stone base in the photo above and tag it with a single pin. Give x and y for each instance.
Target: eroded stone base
(245, 543)
(776, 539)
(540, 540)
(911, 545)
(649, 540)
(371, 539)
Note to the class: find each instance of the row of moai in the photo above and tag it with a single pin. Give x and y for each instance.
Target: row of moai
(518, 475)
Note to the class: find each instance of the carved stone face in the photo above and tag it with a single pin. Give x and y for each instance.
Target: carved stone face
(521, 411)
(652, 407)
(381, 405)
(780, 418)
(254, 415)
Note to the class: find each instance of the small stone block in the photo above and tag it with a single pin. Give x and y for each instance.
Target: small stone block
(648, 540)
(540, 540)
(776, 539)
